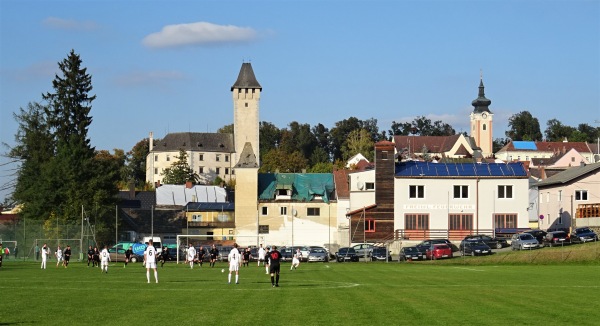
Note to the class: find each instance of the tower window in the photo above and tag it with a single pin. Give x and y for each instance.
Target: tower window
(246, 104)
(484, 127)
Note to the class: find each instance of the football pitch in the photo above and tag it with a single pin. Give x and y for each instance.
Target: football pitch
(418, 293)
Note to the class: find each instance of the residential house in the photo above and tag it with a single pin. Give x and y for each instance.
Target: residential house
(565, 193)
(528, 150)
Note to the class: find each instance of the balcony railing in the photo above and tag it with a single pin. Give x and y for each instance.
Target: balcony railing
(195, 224)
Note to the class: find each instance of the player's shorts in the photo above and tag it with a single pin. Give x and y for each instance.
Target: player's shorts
(105, 263)
(213, 257)
(274, 269)
(295, 261)
(261, 258)
(234, 267)
(67, 258)
(151, 265)
(58, 259)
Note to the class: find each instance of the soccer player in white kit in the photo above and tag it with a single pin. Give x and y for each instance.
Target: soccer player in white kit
(261, 254)
(150, 260)
(59, 256)
(104, 259)
(235, 260)
(45, 250)
(191, 255)
(296, 259)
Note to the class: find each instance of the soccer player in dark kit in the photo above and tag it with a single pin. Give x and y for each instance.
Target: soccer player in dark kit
(90, 254)
(214, 253)
(67, 256)
(201, 253)
(274, 257)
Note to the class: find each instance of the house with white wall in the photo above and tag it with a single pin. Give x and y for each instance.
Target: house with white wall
(459, 198)
(560, 195)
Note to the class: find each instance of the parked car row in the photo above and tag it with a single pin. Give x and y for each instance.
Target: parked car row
(538, 238)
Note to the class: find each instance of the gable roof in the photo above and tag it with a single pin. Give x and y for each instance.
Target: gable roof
(247, 158)
(304, 186)
(469, 170)
(195, 141)
(181, 195)
(340, 177)
(433, 144)
(569, 175)
(546, 146)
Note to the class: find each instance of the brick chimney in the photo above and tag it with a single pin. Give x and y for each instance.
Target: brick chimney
(188, 184)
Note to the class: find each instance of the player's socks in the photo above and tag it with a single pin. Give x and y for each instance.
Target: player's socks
(156, 276)
(229, 278)
(273, 280)
(236, 279)
(148, 276)
(277, 279)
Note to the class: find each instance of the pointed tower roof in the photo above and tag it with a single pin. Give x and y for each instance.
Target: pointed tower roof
(481, 103)
(247, 158)
(246, 78)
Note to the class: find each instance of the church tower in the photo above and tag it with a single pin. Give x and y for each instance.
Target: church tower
(481, 122)
(246, 98)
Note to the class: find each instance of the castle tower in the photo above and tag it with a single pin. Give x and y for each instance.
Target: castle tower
(481, 122)
(246, 98)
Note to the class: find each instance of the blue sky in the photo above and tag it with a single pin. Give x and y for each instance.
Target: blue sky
(167, 66)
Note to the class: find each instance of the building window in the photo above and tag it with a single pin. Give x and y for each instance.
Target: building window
(201, 157)
(218, 171)
(369, 225)
(313, 211)
(370, 185)
(416, 222)
(218, 157)
(226, 171)
(384, 155)
(573, 159)
(201, 169)
(560, 195)
(548, 197)
(461, 221)
(503, 221)
(264, 210)
(526, 158)
(155, 158)
(226, 158)
(505, 191)
(168, 158)
(283, 210)
(155, 170)
(416, 191)
(246, 104)
(461, 191)
(484, 127)
(581, 195)
(263, 229)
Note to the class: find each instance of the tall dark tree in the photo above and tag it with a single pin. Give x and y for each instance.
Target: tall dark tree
(523, 126)
(591, 133)
(180, 171)
(323, 138)
(136, 163)
(298, 138)
(269, 137)
(339, 135)
(34, 148)
(556, 131)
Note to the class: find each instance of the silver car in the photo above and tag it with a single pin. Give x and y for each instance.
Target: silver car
(318, 254)
(522, 241)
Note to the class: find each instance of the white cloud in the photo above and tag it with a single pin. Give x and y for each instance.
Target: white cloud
(200, 33)
(69, 24)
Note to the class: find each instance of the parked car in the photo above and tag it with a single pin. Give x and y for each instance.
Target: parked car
(287, 253)
(522, 241)
(537, 234)
(318, 254)
(492, 242)
(438, 251)
(476, 248)
(426, 244)
(583, 234)
(346, 254)
(363, 249)
(381, 254)
(118, 254)
(410, 253)
(556, 238)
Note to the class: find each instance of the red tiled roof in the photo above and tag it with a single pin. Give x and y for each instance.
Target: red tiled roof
(340, 178)
(434, 144)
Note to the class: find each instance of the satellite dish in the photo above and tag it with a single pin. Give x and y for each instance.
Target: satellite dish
(360, 185)
(294, 212)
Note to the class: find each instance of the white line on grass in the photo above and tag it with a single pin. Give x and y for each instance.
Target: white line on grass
(471, 269)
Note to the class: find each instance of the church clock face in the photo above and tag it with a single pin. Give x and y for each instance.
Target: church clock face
(484, 115)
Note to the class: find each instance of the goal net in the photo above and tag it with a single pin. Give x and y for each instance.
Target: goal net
(222, 243)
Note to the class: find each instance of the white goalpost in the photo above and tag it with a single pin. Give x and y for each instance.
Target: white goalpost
(183, 241)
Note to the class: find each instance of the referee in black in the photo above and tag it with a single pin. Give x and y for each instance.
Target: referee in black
(274, 267)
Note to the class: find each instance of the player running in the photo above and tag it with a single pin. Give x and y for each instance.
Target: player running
(246, 257)
(234, 263)
(67, 255)
(214, 253)
(59, 256)
(296, 259)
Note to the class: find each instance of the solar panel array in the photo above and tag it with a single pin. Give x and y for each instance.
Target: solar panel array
(210, 206)
(428, 169)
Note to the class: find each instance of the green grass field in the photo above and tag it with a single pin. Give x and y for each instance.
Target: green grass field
(461, 291)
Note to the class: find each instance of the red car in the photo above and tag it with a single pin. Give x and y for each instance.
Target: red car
(439, 251)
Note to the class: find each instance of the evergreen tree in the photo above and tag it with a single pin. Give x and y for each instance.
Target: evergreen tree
(180, 172)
